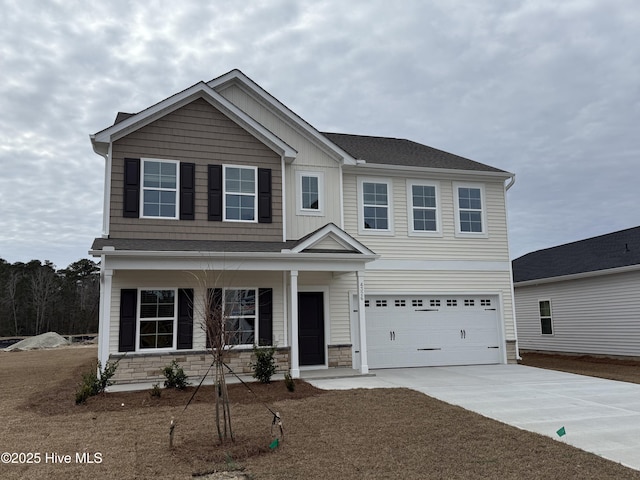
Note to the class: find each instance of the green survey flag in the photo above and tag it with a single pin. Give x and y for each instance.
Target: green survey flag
(561, 432)
(274, 444)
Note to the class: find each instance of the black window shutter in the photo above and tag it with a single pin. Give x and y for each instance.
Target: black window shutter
(215, 193)
(128, 307)
(265, 316)
(264, 195)
(131, 197)
(187, 191)
(214, 296)
(185, 318)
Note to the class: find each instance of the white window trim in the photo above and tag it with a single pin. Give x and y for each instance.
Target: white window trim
(309, 211)
(369, 231)
(224, 194)
(422, 233)
(257, 316)
(177, 189)
(139, 319)
(540, 317)
(459, 233)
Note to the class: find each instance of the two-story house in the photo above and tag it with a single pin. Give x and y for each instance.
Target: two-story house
(340, 250)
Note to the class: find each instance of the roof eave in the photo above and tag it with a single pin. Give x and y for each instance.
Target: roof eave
(577, 276)
(170, 104)
(411, 168)
(283, 112)
(283, 255)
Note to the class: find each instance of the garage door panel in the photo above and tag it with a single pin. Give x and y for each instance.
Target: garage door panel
(412, 331)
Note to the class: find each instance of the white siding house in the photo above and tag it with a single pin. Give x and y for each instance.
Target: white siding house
(582, 297)
(340, 250)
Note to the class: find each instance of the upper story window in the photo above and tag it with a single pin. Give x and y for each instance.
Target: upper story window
(470, 211)
(310, 189)
(160, 180)
(375, 206)
(423, 203)
(240, 192)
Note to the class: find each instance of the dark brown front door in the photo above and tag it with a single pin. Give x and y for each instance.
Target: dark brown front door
(311, 328)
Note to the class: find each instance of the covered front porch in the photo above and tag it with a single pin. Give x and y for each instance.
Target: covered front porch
(312, 286)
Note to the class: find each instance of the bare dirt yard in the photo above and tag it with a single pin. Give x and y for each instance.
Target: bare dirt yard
(373, 434)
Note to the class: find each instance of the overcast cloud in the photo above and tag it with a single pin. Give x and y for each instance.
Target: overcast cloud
(545, 89)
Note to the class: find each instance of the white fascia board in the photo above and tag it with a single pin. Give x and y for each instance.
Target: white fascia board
(236, 261)
(577, 276)
(439, 265)
(402, 169)
(168, 105)
(282, 111)
(342, 237)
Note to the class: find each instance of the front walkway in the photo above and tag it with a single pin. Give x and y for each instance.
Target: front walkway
(599, 416)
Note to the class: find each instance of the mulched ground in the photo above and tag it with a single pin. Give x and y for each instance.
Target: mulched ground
(623, 370)
(385, 433)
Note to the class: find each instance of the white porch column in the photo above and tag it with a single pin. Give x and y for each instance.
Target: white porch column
(104, 318)
(295, 358)
(364, 363)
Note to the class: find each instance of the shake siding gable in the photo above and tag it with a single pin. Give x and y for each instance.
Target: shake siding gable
(197, 134)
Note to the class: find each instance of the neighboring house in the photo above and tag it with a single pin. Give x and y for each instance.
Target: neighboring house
(582, 297)
(340, 250)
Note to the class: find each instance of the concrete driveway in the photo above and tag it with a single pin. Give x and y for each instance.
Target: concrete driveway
(599, 416)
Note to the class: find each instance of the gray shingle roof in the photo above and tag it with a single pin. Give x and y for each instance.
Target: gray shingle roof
(613, 250)
(395, 151)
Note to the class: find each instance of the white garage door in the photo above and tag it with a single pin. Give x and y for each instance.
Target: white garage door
(416, 331)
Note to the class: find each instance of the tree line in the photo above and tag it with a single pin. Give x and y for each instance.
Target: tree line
(36, 298)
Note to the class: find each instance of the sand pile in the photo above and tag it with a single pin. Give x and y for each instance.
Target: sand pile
(46, 340)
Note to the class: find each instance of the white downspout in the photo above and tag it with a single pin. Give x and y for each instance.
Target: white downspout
(513, 294)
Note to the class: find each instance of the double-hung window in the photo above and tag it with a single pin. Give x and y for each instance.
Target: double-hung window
(160, 188)
(310, 187)
(423, 203)
(157, 314)
(241, 313)
(546, 323)
(375, 210)
(470, 213)
(240, 193)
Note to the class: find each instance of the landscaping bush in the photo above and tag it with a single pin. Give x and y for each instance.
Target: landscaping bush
(94, 383)
(265, 365)
(175, 376)
(289, 382)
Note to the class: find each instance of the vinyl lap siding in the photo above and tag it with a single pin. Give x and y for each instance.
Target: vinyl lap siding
(200, 134)
(402, 245)
(593, 315)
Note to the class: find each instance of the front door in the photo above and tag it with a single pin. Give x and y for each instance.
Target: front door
(311, 328)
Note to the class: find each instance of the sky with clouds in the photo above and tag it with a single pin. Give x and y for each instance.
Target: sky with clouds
(545, 89)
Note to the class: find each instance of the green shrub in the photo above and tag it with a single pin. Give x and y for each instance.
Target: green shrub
(265, 365)
(94, 383)
(175, 376)
(155, 391)
(289, 382)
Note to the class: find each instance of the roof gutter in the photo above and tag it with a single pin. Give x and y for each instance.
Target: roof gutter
(409, 168)
(512, 180)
